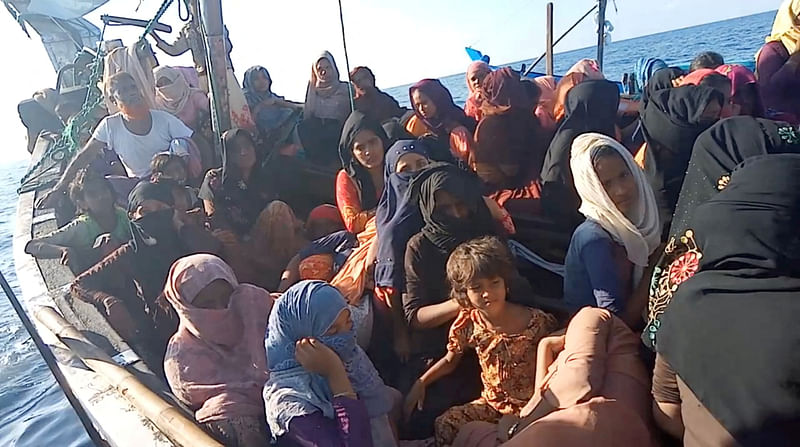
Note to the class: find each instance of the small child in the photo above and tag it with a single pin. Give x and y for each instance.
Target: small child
(167, 166)
(100, 227)
(504, 336)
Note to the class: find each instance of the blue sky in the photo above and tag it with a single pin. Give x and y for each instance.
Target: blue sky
(401, 41)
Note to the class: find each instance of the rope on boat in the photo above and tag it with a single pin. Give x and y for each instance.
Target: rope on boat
(50, 361)
(346, 59)
(67, 144)
(560, 38)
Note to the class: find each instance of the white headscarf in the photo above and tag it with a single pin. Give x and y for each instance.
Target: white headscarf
(642, 233)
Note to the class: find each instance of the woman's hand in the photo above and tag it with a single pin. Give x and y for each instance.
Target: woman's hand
(414, 399)
(315, 357)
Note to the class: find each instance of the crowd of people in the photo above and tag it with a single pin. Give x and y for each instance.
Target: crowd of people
(550, 265)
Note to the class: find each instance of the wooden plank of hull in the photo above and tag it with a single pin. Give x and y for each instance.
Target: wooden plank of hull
(113, 416)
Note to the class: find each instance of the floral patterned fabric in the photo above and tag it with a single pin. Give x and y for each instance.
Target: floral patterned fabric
(506, 360)
(680, 262)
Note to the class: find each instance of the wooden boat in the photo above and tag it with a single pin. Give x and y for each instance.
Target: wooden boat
(116, 394)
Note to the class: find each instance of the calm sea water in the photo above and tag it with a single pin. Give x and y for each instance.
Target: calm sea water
(33, 411)
(736, 39)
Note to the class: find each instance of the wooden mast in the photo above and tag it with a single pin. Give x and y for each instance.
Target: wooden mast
(601, 31)
(217, 67)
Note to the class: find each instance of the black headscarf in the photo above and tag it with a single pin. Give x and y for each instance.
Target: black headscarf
(355, 123)
(672, 121)
(154, 238)
(147, 190)
(716, 153)
(441, 230)
(591, 106)
(660, 80)
(720, 149)
(731, 332)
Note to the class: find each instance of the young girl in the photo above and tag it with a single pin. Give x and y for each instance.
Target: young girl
(99, 228)
(503, 334)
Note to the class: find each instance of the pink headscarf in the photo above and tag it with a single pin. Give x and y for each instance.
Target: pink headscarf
(544, 110)
(216, 362)
(472, 108)
(588, 67)
(740, 77)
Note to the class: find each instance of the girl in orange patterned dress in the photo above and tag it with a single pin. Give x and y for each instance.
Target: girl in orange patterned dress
(503, 334)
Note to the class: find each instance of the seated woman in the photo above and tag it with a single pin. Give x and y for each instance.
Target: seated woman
(504, 336)
(510, 145)
(583, 70)
(716, 153)
(190, 105)
(747, 278)
(591, 107)
(476, 73)
(665, 78)
(216, 363)
(453, 211)
(671, 123)
(326, 108)
(359, 184)
(98, 230)
(776, 65)
(322, 388)
(275, 117)
(234, 195)
(377, 105)
(609, 254)
(438, 116)
(591, 389)
(125, 285)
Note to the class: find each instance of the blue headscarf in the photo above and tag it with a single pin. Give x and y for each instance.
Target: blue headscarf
(397, 218)
(308, 309)
(645, 67)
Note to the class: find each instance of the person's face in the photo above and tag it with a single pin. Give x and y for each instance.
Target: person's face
(341, 324)
(368, 149)
(245, 153)
(618, 182)
(126, 93)
(487, 294)
(423, 104)
(477, 78)
(261, 82)
(411, 162)
(215, 296)
(97, 198)
(148, 206)
(450, 206)
(325, 70)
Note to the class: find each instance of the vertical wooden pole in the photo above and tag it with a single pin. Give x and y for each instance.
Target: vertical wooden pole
(549, 44)
(601, 31)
